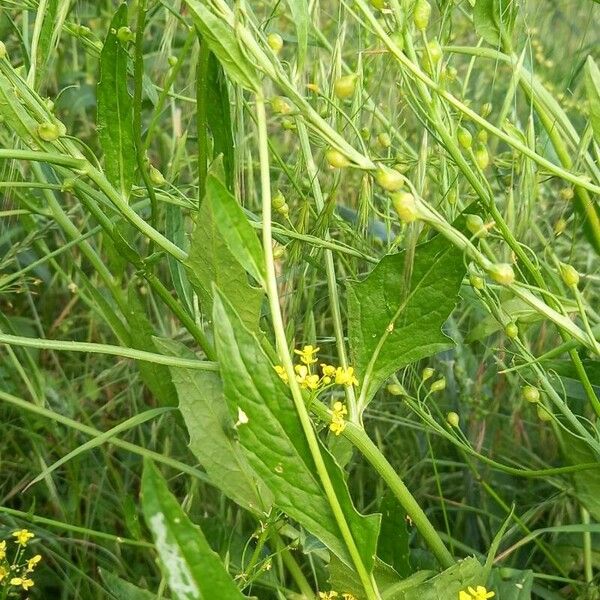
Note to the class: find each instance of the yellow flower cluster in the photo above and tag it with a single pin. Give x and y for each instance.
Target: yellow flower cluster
(478, 593)
(311, 380)
(333, 594)
(20, 570)
(338, 423)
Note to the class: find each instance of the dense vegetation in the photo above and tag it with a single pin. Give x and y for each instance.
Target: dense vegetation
(300, 299)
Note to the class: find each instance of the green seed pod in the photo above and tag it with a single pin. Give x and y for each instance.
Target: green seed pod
(542, 413)
(427, 373)
(2, 50)
(378, 4)
(569, 275)
(486, 110)
(482, 158)
(395, 389)
(453, 419)
(288, 125)
(125, 35)
(284, 210)
(421, 14)
(336, 159)
(48, 131)
(511, 330)
(278, 200)
(275, 42)
(280, 105)
(452, 195)
(476, 225)
(279, 251)
(389, 179)
(476, 281)
(560, 226)
(155, 176)
(384, 139)
(405, 206)
(451, 73)
(435, 52)
(49, 104)
(567, 194)
(345, 86)
(502, 273)
(439, 385)
(172, 60)
(482, 136)
(465, 139)
(365, 133)
(530, 393)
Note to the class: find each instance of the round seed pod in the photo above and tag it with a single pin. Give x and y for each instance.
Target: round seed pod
(476, 281)
(427, 373)
(569, 275)
(336, 159)
(389, 179)
(345, 86)
(531, 394)
(405, 206)
(275, 42)
(542, 413)
(125, 35)
(395, 389)
(48, 131)
(421, 14)
(465, 139)
(384, 139)
(502, 273)
(486, 110)
(482, 157)
(280, 105)
(278, 200)
(453, 419)
(155, 176)
(511, 330)
(476, 225)
(438, 385)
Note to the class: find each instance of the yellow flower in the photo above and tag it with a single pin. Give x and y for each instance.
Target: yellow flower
(345, 376)
(338, 424)
(32, 562)
(328, 595)
(281, 372)
(2, 550)
(328, 370)
(307, 354)
(3, 572)
(348, 597)
(305, 379)
(24, 582)
(479, 593)
(23, 536)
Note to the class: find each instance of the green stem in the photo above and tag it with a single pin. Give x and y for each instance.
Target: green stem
(201, 115)
(286, 360)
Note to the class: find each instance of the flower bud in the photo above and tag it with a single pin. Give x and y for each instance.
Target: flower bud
(531, 394)
(389, 179)
(345, 86)
(155, 176)
(511, 330)
(465, 139)
(439, 385)
(482, 158)
(476, 281)
(2, 50)
(48, 131)
(427, 373)
(565, 194)
(422, 14)
(275, 42)
(486, 110)
(569, 275)
(395, 389)
(502, 273)
(476, 226)
(125, 35)
(280, 105)
(336, 159)
(278, 200)
(405, 206)
(384, 139)
(453, 419)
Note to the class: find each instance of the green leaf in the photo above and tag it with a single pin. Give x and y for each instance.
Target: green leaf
(511, 584)
(115, 109)
(123, 590)
(592, 88)
(175, 230)
(300, 17)
(193, 570)
(210, 262)
(395, 318)
(393, 545)
(275, 443)
(156, 377)
(222, 41)
(213, 440)
(233, 226)
(494, 19)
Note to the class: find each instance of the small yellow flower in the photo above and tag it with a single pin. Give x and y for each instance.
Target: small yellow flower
(32, 562)
(23, 536)
(328, 370)
(338, 424)
(348, 597)
(2, 550)
(345, 376)
(3, 572)
(307, 354)
(281, 372)
(305, 378)
(24, 582)
(479, 593)
(328, 595)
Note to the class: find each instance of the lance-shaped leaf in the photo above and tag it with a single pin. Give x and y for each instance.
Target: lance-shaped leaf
(592, 88)
(193, 570)
(115, 108)
(213, 439)
(395, 316)
(223, 42)
(212, 261)
(275, 443)
(494, 20)
(300, 17)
